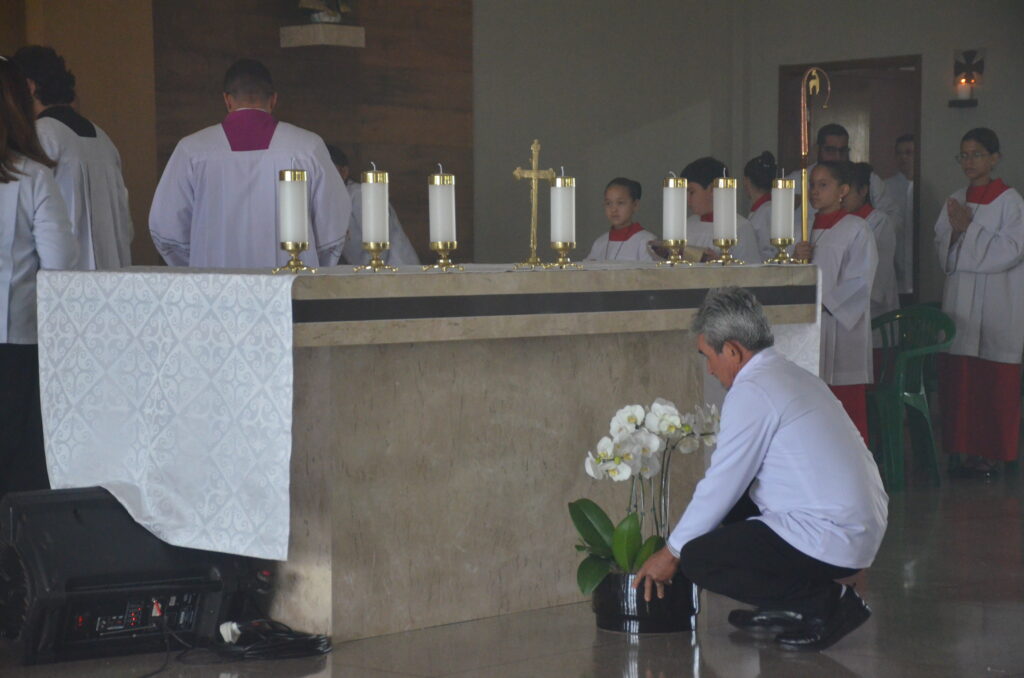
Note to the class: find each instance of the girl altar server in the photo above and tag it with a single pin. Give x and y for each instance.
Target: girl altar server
(626, 240)
(757, 180)
(843, 248)
(36, 233)
(700, 176)
(979, 236)
(884, 293)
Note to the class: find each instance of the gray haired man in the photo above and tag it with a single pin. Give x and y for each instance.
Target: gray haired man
(792, 499)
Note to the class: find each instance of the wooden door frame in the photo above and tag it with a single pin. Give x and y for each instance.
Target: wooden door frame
(880, 63)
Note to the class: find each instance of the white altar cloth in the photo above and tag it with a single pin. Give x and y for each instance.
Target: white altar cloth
(173, 391)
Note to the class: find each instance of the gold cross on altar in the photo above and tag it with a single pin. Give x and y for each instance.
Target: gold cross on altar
(534, 175)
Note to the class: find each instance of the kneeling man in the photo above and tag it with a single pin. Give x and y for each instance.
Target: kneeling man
(792, 500)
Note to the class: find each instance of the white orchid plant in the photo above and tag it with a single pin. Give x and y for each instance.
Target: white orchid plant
(639, 449)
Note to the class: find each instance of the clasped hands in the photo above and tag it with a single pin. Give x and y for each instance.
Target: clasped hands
(960, 216)
(656, 573)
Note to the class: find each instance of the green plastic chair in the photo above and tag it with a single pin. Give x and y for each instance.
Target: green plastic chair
(910, 336)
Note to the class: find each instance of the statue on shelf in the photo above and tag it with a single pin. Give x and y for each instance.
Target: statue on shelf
(326, 11)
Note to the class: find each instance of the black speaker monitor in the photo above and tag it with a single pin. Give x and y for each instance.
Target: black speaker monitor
(80, 578)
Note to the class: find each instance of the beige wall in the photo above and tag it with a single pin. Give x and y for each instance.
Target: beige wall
(108, 45)
(639, 89)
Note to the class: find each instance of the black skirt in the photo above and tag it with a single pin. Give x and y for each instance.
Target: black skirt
(22, 458)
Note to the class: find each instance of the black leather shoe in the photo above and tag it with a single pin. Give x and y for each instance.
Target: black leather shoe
(818, 634)
(766, 621)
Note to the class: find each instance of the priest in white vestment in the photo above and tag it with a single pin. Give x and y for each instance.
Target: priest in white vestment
(88, 167)
(216, 204)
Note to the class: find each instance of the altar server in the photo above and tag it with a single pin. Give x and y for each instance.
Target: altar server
(900, 187)
(400, 252)
(216, 203)
(626, 240)
(792, 500)
(833, 145)
(758, 175)
(35, 233)
(843, 248)
(88, 165)
(979, 236)
(700, 176)
(884, 295)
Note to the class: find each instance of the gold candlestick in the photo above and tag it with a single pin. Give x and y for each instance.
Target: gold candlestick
(674, 258)
(534, 174)
(782, 255)
(294, 264)
(725, 258)
(376, 250)
(443, 261)
(563, 262)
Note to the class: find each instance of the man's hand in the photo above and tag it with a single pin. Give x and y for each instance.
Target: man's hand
(804, 251)
(656, 572)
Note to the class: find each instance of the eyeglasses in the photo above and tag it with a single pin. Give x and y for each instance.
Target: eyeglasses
(838, 150)
(976, 155)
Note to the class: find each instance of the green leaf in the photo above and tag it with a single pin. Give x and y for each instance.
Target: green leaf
(652, 544)
(592, 572)
(626, 542)
(594, 526)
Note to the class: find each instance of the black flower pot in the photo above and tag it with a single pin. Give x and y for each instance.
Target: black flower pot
(621, 608)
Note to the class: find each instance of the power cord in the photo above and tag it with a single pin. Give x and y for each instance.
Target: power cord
(262, 639)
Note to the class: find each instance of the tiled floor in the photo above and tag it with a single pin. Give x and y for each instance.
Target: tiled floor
(947, 592)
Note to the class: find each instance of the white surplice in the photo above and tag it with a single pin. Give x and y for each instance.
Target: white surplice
(847, 257)
(89, 175)
(400, 251)
(35, 233)
(884, 293)
(217, 208)
(786, 437)
(633, 248)
(901, 189)
(702, 234)
(984, 292)
(761, 221)
(881, 199)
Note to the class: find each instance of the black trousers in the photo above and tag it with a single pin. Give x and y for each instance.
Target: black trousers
(22, 459)
(746, 561)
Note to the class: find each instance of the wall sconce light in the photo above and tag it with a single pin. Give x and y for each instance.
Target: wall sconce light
(968, 67)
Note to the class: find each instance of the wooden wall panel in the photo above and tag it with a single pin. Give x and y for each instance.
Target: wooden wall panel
(405, 101)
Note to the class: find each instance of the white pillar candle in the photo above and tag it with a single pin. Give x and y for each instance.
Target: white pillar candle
(725, 209)
(563, 210)
(441, 197)
(673, 211)
(375, 206)
(963, 91)
(782, 208)
(292, 206)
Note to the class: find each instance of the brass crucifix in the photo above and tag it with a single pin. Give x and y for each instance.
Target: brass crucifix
(534, 175)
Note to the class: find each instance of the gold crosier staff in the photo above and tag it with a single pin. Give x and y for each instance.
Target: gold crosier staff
(809, 84)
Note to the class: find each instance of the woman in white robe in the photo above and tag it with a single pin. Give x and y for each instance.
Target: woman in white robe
(843, 248)
(626, 239)
(700, 175)
(35, 233)
(979, 238)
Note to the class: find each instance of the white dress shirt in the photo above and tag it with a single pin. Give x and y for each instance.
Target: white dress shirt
(786, 436)
(35, 232)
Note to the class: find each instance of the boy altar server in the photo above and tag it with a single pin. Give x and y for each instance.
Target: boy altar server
(216, 204)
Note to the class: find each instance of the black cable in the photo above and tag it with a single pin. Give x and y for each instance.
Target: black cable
(264, 639)
(167, 650)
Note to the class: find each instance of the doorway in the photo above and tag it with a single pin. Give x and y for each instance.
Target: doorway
(877, 101)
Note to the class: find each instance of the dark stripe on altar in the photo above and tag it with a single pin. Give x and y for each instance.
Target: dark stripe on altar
(394, 308)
